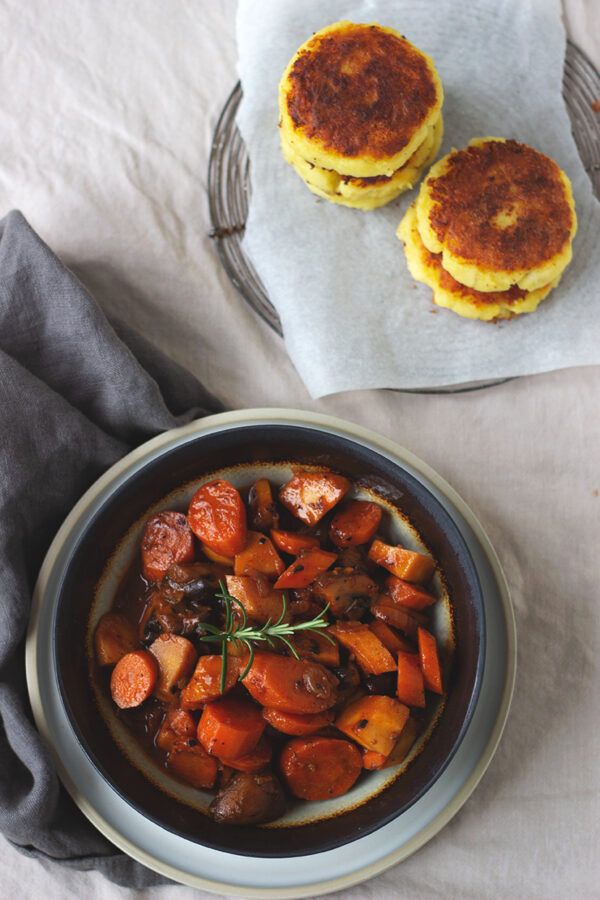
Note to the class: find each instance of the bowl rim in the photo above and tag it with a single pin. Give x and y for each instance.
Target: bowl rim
(118, 474)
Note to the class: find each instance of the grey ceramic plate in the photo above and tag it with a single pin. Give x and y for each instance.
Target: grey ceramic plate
(104, 552)
(203, 867)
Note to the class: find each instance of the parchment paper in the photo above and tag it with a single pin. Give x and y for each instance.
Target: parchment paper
(352, 315)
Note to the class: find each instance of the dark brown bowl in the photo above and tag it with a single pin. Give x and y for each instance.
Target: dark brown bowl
(191, 459)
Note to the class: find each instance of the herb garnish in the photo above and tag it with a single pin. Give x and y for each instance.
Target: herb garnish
(245, 634)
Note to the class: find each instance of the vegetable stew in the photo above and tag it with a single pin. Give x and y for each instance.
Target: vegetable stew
(269, 644)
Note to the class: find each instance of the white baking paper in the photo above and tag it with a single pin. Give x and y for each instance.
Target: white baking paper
(352, 315)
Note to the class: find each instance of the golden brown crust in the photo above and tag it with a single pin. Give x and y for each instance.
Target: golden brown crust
(501, 204)
(477, 298)
(361, 90)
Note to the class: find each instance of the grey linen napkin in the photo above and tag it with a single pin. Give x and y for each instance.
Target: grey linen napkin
(75, 396)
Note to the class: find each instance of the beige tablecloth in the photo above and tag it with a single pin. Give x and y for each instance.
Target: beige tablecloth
(106, 115)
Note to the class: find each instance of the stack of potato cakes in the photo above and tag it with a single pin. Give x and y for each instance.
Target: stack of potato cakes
(491, 229)
(360, 114)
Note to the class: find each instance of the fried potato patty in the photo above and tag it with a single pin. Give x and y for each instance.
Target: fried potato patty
(427, 268)
(500, 213)
(366, 193)
(358, 99)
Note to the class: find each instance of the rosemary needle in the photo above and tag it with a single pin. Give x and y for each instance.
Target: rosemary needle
(245, 634)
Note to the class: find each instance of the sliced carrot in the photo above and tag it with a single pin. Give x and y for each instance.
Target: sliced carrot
(411, 689)
(408, 735)
(167, 540)
(193, 764)
(218, 517)
(114, 637)
(386, 610)
(255, 761)
(291, 685)
(407, 595)
(371, 655)
(320, 768)
(373, 760)
(217, 557)
(260, 600)
(310, 495)
(263, 511)
(133, 679)
(374, 722)
(258, 555)
(305, 569)
(292, 543)
(176, 724)
(314, 645)
(176, 657)
(355, 523)
(430, 663)
(205, 683)
(388, 637)
(230, 727)
(296, 723)
(405, 564)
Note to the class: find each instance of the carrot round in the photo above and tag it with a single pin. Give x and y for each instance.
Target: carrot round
(292, 543)
(230, 727)
(355, 523)
(255, 761)
(218, 517)
(290, 685)
(167, 540)
(430, 663)
(305, 569)
(133, 679)
(320, 768)
(297, 723)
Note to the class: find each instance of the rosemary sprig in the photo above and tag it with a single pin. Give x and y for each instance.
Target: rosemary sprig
(242, 633)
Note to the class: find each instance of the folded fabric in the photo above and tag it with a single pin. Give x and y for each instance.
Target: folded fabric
(76, 394)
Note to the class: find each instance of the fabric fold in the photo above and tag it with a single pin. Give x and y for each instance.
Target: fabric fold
(76, 394)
